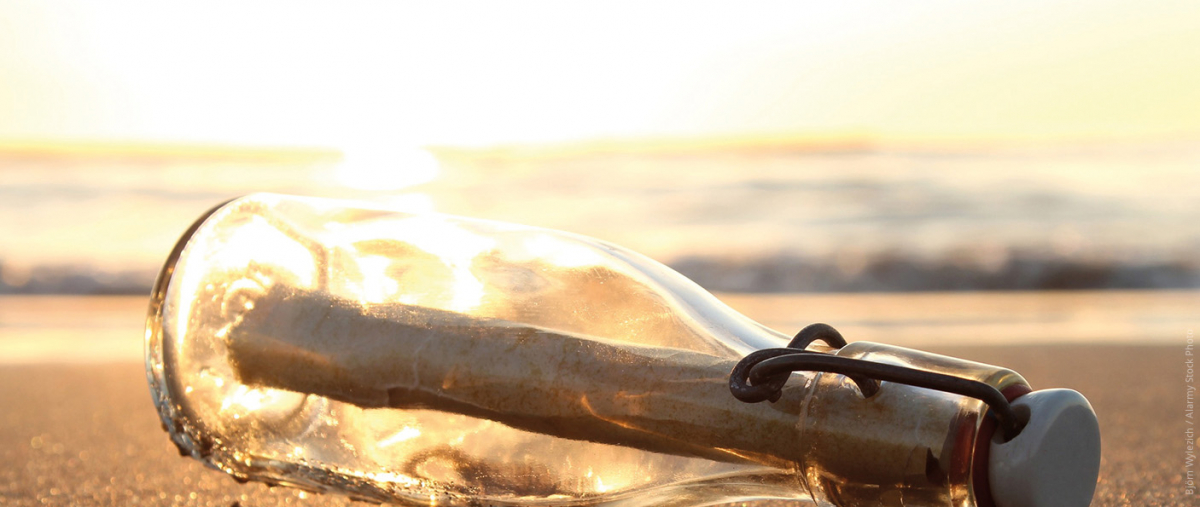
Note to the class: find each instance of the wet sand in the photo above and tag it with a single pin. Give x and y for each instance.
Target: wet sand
(87, 434)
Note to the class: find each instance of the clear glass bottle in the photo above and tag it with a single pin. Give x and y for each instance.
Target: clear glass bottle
(430, 359)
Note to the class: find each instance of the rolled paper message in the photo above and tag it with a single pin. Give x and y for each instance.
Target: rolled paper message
(584, 388)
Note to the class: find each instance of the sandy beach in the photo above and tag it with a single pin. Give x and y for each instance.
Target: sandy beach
(85, 433)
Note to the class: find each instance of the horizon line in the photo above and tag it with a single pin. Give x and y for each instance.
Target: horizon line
(846, 141)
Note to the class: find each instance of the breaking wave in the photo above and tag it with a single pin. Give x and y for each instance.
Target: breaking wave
(884, 272)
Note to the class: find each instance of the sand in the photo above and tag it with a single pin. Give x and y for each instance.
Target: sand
(88, 434)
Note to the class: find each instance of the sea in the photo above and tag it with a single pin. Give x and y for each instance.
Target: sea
(1066, 242)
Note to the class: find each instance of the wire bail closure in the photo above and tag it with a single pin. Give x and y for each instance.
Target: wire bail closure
(761, 375)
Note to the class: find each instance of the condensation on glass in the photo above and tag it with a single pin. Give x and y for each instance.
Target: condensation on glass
(430, 359)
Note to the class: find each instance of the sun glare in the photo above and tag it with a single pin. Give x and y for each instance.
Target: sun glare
(462, 76)
(385, 168)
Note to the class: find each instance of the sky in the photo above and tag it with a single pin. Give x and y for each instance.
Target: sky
(360, 74)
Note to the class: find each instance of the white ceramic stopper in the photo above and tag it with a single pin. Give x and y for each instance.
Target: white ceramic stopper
(1055, 460)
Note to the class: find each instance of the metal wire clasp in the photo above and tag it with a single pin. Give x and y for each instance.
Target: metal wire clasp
(761, 375)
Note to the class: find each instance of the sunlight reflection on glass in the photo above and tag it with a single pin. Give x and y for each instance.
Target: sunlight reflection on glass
(559, 252)
(376, 285)
(259, 235)
(454, 246)
(246, 398)
(408, 433)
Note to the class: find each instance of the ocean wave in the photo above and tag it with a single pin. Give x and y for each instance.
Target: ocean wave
(75, 280)
(893, 273)
(884, 272)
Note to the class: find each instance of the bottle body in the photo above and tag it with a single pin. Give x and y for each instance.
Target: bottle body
(426, 358)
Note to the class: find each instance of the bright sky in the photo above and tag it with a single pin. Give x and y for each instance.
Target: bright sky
(346, 74)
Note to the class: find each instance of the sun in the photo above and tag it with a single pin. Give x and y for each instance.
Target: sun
(382, 167)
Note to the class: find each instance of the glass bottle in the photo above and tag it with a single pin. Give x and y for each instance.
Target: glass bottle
(428, 359)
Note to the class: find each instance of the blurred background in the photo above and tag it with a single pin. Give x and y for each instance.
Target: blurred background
(942, 172)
